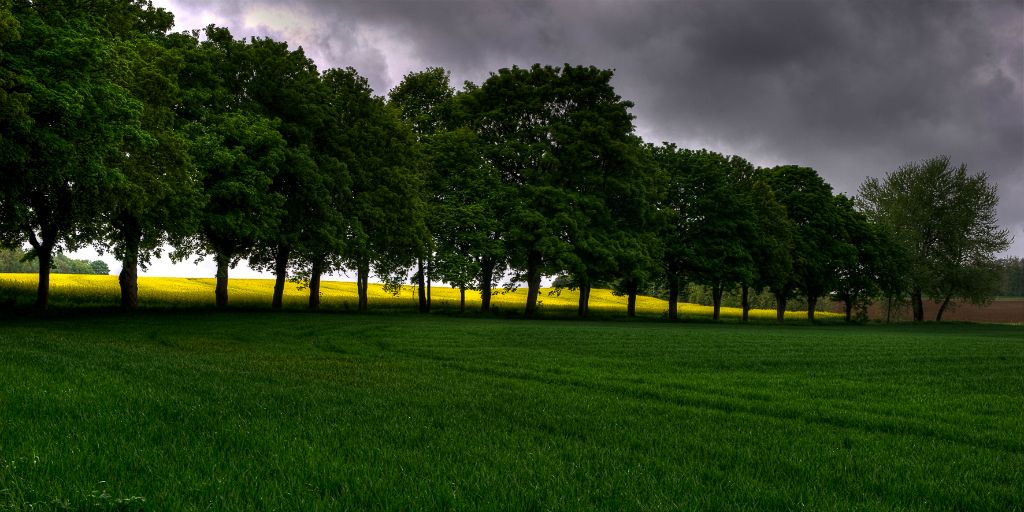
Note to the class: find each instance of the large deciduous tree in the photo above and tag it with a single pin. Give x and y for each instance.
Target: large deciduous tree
(817, 252)
(66, 119)
(631, 196)
(770, 244)
(463, 213)
(237, 156)
(425, 101)
(284, 85)
(945, 221)
(860, 271)
(236, 149)
(553, 134)
(155, 203)
(676, 214)
(384, 214)
(721, 258)
(707, 221)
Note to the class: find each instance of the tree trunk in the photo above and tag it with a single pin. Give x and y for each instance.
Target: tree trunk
(421, 286)
(888, 309)
(780, 307)
(745, 302)
(716, 302)
(631, 289)
(430, 265)
(532, 283)
(362, 283)
(45, 256)
(281, 272)
(462, 299)
(314, 285)
(486, 275)
(849, 309)
(812, 302)
(673, 297)
(221, 292)
(942, 308)
(43, 246)
(918, 305)
(583, 307)
(129, 279)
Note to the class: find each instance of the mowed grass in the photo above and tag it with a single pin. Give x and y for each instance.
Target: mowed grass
(292, 411)
(78, 290)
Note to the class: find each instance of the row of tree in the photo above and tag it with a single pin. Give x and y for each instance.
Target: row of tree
(121, 134)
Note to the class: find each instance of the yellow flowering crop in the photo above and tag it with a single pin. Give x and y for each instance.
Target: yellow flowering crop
(98, 290)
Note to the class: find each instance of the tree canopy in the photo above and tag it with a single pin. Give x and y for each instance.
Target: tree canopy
(68, 118)
(944, 220)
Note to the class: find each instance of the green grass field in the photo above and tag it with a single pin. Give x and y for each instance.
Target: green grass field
(294, 411)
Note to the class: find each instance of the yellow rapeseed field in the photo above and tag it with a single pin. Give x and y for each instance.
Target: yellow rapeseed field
(98, 290)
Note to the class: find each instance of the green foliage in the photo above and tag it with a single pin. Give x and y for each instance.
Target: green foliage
(155, 203)
(559, 138)
(67, 123)
(771, 242)
(385, 228)
(99, 267)
(1012, 272)
(328, 412)
(945, 222)
(462, 208)
(716, 219)
(285, 86)
(820, 244)
(245, 156)
(118, 134)
(425, 101)
(237, 156)
(860, 269)
(710, 219)
(18, 261)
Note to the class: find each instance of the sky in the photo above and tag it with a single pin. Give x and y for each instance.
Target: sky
(850, 88)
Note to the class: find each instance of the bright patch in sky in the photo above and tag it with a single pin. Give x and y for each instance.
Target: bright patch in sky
(191, 20)
(287, 20)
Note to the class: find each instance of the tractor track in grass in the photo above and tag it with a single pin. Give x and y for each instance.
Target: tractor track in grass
(732, 403)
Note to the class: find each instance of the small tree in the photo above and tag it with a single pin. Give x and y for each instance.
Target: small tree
(1012, 276)
(99, 267)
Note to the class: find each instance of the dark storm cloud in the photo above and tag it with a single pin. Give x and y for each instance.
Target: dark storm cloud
(853, 89)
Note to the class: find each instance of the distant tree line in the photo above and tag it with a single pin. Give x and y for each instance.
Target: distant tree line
(120, 134)
(1012, 273)
(17, 261)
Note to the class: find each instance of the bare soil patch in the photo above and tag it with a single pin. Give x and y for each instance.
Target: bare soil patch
(1002, 311)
